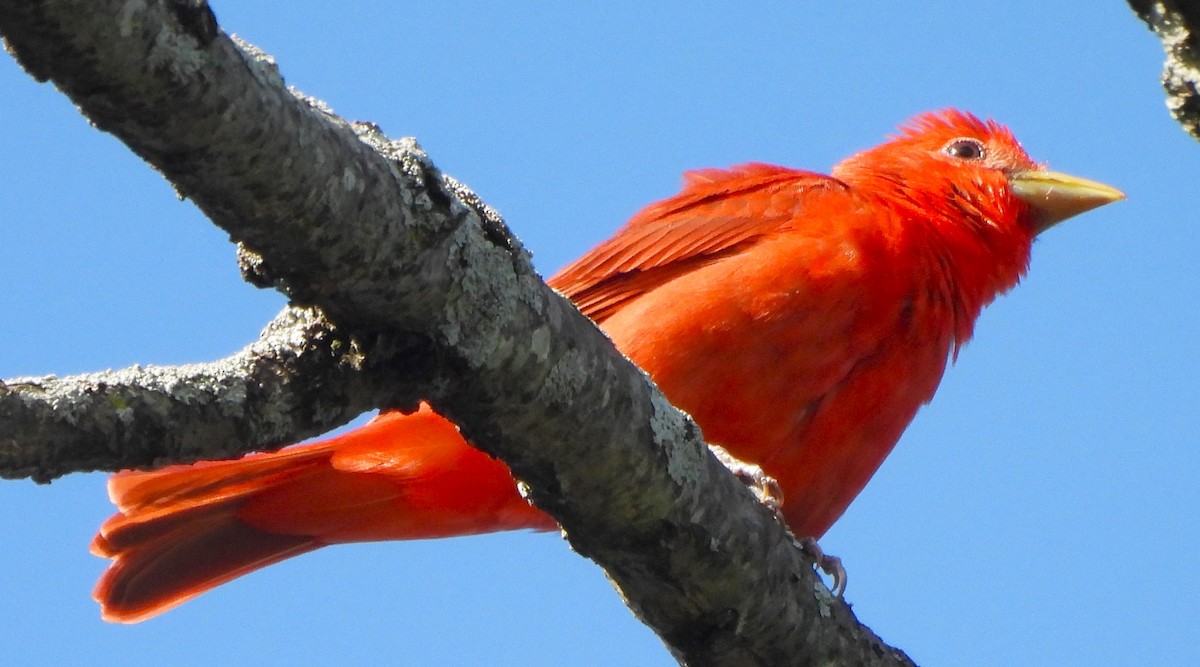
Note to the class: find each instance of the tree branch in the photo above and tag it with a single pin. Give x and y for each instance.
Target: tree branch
(300, 379)
(366, 229)
(1177, 24)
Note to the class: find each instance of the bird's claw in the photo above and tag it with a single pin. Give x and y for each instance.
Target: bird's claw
(830, 565)
(764, 486)
(769, 493)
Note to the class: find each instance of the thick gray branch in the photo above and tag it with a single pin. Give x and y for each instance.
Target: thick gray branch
(367, 230)
(1177, 24)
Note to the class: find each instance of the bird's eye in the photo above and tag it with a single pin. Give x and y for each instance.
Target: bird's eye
(965, 149)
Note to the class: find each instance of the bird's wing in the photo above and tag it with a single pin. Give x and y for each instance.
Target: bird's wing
(719, 211)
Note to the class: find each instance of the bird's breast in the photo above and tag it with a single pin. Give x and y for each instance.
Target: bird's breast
(795, 357)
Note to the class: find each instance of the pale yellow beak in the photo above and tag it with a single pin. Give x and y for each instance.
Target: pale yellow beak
(1055, 197)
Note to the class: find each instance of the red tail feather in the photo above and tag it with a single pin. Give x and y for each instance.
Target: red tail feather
(185, 529)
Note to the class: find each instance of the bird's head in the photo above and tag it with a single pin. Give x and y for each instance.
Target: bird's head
(977, 167)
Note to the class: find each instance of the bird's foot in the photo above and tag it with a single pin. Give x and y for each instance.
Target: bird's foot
(830, 565)
(763, 485)
(769, 493)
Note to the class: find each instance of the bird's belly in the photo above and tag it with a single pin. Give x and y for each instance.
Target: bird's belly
(816, 403)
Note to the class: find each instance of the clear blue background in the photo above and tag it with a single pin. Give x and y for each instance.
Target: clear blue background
(1042, 510)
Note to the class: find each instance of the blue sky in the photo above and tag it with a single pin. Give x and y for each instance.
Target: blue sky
(1041, 511)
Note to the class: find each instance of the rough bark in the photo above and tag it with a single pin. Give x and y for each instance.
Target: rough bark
(1177, 24)
(406, 286)
(300, 379)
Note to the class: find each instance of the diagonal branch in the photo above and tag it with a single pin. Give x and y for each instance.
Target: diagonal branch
(366, 229)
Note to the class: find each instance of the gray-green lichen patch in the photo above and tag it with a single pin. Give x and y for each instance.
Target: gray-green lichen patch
(824, 599)
(259, 63)
(683, 462)
(539, 343)
(566, 380)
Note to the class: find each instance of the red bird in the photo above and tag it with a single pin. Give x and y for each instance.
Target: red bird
(801, 319)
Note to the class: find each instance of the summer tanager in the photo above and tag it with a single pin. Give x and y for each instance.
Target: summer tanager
(801, 319)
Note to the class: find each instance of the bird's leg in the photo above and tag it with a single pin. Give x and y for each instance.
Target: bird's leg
(763, 485)
(829, 564)
(770, 494)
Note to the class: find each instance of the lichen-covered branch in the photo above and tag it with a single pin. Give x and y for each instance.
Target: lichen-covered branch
(366, 229)
(301, 378)
(1177, 24)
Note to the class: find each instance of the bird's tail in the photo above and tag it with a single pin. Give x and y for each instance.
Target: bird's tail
(182, 530)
